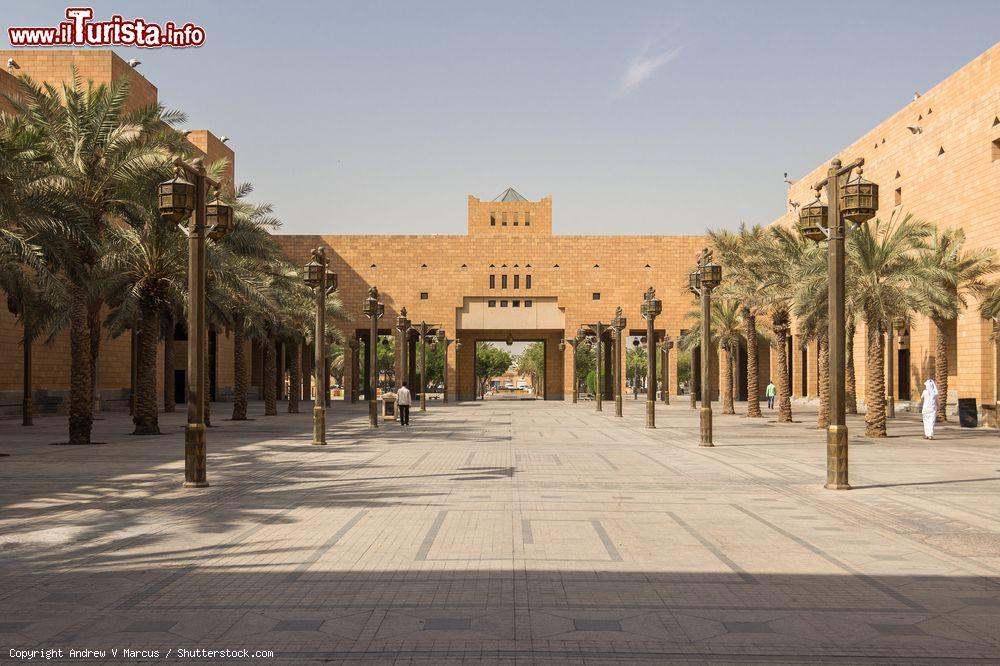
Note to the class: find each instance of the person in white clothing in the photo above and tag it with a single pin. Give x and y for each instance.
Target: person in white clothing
(403, 400)
(928, 409)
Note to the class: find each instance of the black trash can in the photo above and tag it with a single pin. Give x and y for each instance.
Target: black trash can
(968, 414)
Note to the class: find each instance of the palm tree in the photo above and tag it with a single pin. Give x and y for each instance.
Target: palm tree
(885, 266)
(727, 331)
(782, 259)
(147, 266)
(743, 255)
(105, 161)
(953, 273)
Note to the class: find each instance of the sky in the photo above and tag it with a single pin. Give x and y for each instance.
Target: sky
(637, 117)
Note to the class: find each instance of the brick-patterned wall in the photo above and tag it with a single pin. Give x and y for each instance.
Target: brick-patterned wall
(508, 218)
(8, 88)
(955, 189)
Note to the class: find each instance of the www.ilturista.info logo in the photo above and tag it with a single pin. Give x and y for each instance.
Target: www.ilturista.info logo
(80, 30)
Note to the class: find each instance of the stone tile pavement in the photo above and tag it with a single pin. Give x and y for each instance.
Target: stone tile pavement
(506, 533)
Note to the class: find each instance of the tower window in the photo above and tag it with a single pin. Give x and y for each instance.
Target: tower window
(527, 218)
(899, 196)
(514, 218)
(424, 296)
(527, 281)
(596, 296)
(503, 218)
(503, 281)
(493, 281)
(493, 220)
(517, 281)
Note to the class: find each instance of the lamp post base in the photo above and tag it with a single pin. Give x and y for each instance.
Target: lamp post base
(706, 426)
(195, 466)
(319, 425)
(650, 413)
(27, 412)
(618, 405)
(836, 458)
(372, 414)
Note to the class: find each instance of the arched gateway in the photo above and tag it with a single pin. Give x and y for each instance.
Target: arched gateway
(509, 277)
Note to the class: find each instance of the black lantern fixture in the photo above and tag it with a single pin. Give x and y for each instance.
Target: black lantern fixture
(711, 275)
(458, 344)
(331, 282)
(652, 307)
(403, 322)
(562, 345)
(176, 199)
(899, 323)
(370, 307)
(218, 218)
(510, 339)
(858, 199)
(441, 336)
(635, 342)
(314, 273)
(694, 282)
(812, 220)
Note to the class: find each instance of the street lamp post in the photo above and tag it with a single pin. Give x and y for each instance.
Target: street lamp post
(424, 328)
(855, 199)
(694, 286)
(895, 334)
(444, 341)
(618, 324)
(323, 281)
(574, 343)
(374, 310)
(179, 200)
(996, 371)
(651, 309)
(352, 344)
(665, 348)
(403, 325)
(597, 330)
(709, 277)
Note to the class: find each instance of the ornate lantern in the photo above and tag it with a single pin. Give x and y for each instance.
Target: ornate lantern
(651, 306)
(176, 199)
(812, 220)
(581, 333)
(694, 281)
(510, 339)
(218, 218)
(858, 199)
(458, 344)
(562, 345)
(442, 337)
(313, 273)
(619, 322)
(371, 304)
(403, 322)
(899, 323)
(711, 275)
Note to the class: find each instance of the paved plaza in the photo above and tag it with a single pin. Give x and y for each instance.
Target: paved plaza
(511, 533)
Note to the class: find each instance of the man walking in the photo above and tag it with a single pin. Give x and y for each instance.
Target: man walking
(769, 392)
(403, 400)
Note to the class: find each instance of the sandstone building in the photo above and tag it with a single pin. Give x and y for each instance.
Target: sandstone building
(512, 275)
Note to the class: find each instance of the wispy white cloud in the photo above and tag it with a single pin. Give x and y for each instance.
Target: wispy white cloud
(643, 67)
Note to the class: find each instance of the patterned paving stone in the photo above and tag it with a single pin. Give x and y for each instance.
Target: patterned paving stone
(528, 533)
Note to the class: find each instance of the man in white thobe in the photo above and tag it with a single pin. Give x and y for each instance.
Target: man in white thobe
(928, 409)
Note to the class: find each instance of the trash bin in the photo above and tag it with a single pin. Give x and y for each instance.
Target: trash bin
(389, 405)
(968, 416)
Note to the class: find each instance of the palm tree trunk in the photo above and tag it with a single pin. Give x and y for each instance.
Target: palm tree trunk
(146, 412)
(240, 383)
(850, 381)
(268, 378)
(81, 414)
(874, 381)
(94, 325)
(784, 389)
(823, 417)
(753, 385)
(294, 379)
(941, 367)
(727, 380)
(207, 388)
(168, 360)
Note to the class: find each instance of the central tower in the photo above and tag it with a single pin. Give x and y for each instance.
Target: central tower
(510, 215)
